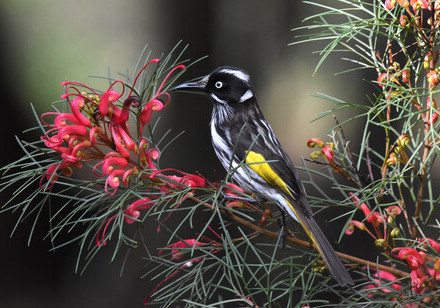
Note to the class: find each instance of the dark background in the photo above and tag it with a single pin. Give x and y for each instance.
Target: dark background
(46, 42)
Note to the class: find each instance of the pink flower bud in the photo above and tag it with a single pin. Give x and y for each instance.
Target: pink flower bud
(394, 210)
(432, 78)
(313, 142)
(352, 225)
(389, 4)
(403, 20)
(405, 76)
(382, 78)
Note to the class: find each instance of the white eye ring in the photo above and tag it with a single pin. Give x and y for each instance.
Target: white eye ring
(218, 84)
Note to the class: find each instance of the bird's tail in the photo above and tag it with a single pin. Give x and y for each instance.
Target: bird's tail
(331, 259)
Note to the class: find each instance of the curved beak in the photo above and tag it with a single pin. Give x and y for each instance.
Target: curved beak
(196, 86)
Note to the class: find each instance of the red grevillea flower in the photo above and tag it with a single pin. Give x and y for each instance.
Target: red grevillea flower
(132, 212)
(376, 219)
(415, 4)
(96, 129)
(425, 272)
(233, 190)
(383, 282)
(411, 255)
(352, 225)
(178, 250)
(326, 150)
(187, 180)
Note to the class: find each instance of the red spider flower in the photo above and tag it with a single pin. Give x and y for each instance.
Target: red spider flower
(375, 219)
(383, 282)
(132, 212)
(178, 250)
(96, 129)
(326, 150)
(424, 267)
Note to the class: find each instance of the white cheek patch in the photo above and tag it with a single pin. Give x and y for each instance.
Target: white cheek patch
(246, 96)
(217, 99)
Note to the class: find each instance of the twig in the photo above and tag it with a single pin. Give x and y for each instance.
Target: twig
(367, 153)
(358, 261)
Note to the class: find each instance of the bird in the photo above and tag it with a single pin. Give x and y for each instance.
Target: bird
(244, 142)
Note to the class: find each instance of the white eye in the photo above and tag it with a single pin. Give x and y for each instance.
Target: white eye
(218, 84)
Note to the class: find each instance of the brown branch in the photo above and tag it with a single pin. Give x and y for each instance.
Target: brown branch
(358, 261)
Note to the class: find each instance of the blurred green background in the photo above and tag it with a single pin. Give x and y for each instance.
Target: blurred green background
(45, 42)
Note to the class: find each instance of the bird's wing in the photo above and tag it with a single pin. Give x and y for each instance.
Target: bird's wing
(264, 155)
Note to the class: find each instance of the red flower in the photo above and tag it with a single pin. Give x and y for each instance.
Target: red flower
(382, 78)
(313, 142)
(107, 100)
(95, 123)
(177, 251)
(326, 150)
(132, 212)
(412, 256)
(382, 283)
(429, 242)
(352, 225)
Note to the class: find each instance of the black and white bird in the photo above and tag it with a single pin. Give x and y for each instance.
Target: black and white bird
(244, 141)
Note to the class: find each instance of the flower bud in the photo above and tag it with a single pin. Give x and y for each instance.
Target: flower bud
(390, 220)
(403, 20)
(68, 171)
(432, 78)
(389, 4)
(393, 210)
(437, 264)
(395, 232)
(403, 141)
(404, 3)
(382, 78)
(319, 268)
(427, 60)
(313, 142)
(392, 160)
(429, 105)
(354, 223)
(405, 75)
(315, 154)
(379, 242)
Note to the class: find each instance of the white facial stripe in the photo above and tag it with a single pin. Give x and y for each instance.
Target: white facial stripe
(246, 96)
(203, 82)
(239, 74)
(218, 99)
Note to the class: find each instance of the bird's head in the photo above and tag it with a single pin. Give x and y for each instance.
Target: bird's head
(225, 85)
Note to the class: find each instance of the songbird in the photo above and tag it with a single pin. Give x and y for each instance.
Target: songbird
(245, 142)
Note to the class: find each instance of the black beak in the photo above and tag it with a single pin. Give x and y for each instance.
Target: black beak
(196, 86)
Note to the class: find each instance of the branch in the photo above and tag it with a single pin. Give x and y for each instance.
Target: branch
(358, 261)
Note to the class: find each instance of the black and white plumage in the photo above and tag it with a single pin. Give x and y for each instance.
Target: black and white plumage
(243, 138)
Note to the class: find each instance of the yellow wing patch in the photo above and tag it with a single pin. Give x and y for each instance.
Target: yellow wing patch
(257, 163)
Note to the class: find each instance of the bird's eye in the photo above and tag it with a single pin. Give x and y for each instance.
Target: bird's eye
(218, 84)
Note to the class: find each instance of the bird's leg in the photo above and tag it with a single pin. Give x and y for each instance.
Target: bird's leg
(283, 233)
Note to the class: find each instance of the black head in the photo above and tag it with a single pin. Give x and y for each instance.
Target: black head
(225, 85)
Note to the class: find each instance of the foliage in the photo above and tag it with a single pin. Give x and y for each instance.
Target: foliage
(391, 176)
(96, 171)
